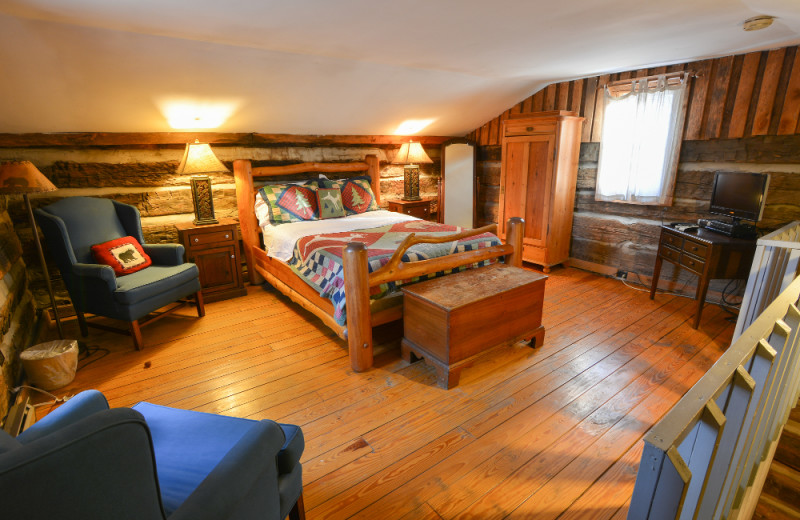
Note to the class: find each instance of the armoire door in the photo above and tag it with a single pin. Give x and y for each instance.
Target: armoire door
(527, 163)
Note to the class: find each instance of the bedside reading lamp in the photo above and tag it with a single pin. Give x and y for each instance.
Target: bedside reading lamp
(22, 177)
(198, 158)
(410, 155)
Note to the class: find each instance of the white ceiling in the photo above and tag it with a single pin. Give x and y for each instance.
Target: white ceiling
(339, 66)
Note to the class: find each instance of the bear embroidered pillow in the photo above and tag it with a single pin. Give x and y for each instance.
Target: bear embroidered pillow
(125, 255)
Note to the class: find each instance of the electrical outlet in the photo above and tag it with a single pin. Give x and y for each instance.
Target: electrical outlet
(623, 275)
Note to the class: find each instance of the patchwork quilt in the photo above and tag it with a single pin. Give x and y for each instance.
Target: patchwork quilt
(318, 258)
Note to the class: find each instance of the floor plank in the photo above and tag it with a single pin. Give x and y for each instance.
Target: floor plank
(550, 432)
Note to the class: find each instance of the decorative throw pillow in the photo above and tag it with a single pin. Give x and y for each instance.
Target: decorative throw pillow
(357, 195)
(125, 255)
(290, 203)
(330, 203)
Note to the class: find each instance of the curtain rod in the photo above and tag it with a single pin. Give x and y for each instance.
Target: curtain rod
(683, 73)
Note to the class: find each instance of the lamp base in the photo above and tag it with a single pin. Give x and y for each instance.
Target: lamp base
(203, 222)
(411, 182)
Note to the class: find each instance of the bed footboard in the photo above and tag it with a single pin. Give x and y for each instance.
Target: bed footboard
(358, 279)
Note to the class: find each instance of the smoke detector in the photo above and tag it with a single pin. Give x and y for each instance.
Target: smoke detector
(757, 23)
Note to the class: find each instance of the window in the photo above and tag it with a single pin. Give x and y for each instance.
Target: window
(642, 127)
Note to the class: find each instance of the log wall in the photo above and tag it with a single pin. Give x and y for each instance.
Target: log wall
(16, 308)
(139, 169)
(743, 115)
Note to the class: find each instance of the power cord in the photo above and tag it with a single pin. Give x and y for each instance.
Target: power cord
(722, 303)
(55, 400)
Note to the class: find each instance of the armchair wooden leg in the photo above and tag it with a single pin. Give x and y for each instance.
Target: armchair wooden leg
(298, 512)
(198, 300)
(82, 323)
(136, 334)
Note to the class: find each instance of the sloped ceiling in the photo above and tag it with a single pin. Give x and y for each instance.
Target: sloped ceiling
(338, 66)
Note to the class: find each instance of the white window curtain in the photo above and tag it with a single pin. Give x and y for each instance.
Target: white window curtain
(642, 127)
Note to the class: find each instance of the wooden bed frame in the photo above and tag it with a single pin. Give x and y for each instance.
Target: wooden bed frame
(358, 280)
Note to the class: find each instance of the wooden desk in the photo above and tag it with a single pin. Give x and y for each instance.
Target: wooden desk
(705, 253)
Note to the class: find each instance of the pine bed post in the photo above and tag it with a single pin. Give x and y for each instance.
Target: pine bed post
(356, 291)
(374, 172)
(516, 228)
(245, 201)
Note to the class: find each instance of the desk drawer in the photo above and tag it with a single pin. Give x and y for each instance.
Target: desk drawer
(693, 264)
(695, 248)
(672, 240)
(670, 253)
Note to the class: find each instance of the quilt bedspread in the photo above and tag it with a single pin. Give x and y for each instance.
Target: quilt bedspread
(318, 258)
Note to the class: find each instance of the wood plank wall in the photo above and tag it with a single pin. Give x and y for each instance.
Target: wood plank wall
(743, 115)
(732, 97)
(139, 169)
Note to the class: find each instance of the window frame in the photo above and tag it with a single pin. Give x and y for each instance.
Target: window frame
(621, 87)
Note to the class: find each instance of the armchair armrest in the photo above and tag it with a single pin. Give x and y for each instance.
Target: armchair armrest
(248, 471)
(97, 273)
(76, 409)
(99, 468)
(164, 254)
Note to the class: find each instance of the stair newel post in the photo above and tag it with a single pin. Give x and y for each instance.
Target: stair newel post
(356, 290)
(515, 228)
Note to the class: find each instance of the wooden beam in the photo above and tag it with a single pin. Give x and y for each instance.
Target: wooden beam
(146, 139)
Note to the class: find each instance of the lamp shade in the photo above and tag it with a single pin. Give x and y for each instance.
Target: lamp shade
(23, 177)
(411, 153)
(198, 158)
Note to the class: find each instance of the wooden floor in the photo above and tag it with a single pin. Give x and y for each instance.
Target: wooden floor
(551, 432)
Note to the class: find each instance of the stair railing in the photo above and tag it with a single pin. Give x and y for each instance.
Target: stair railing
(707, 458)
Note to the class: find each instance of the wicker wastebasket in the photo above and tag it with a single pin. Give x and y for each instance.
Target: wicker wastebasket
(51, 365)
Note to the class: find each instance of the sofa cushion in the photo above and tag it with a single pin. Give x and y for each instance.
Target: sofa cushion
(153, 281)
(188, 445)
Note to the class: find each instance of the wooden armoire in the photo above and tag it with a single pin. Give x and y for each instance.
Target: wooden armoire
(537, 182)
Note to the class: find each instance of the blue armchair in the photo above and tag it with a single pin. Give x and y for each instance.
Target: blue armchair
(85, 461)
(72, 225)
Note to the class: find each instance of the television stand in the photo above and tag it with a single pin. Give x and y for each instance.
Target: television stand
(734, 229)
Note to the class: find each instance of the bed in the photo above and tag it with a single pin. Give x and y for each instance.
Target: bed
(358, 282)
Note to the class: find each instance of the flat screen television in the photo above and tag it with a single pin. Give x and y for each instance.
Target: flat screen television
(739, 195)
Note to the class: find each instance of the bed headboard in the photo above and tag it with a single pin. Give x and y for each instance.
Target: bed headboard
(244, 174)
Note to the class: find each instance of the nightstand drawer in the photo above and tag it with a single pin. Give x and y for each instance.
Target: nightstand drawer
(415, 208)
(419, 212)
(199, 238)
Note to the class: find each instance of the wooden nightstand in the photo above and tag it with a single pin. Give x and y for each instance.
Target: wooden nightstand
(215, 250)
(415, 208)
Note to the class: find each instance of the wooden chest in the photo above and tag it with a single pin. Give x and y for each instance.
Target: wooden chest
(450, 320)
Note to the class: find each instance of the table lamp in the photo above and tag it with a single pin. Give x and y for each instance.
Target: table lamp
(198, 158)
(22, 177)
(410, 155)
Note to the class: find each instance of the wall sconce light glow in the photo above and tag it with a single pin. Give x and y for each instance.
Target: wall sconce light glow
(412, 126)
(193, 115)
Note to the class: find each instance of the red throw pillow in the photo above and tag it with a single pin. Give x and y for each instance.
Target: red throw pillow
(125, 255)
